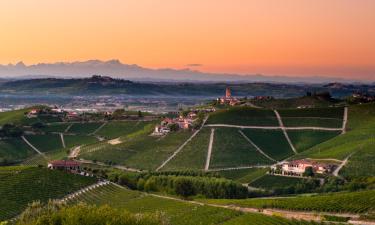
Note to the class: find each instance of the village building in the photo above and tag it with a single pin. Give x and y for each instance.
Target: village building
(66, 165)
(33, 113)
(298, 167)
(228, 98)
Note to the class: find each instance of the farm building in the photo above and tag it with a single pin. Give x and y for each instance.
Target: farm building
(66, 165)
(298, 167)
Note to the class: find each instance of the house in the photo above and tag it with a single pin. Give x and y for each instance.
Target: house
(66, 165)
(161, 130)
(33, 113)
(298, 167)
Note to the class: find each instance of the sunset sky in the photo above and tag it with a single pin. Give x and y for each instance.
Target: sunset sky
(271, 37)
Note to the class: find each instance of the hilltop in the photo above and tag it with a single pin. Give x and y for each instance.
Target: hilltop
(103, 85)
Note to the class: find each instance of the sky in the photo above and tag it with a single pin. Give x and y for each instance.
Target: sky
(270, 37)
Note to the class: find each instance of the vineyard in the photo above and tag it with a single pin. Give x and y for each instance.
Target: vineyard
(45, 143)
(193, 155)
(272, 182)
(231, 149)
(244, 116)
(178, 212)
(303, 140)
(272, 142)
(116, 129)
(244, 176)
(351, 202)
(14, 150)
(84, 128)
(22, 185)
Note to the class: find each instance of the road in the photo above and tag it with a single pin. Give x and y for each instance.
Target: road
(209, 152)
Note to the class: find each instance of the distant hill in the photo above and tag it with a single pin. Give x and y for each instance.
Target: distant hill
(115, 68)
(102, 85)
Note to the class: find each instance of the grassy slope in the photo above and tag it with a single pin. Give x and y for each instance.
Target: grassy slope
(272, 142)
(359, 139)
(353, 202)
(20, 186)
(15, 149)
(193, 155)
(230, 149)
(57, 127)
(16, 116)
(245, 116)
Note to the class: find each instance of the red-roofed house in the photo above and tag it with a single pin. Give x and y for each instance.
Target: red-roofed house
(67, 165)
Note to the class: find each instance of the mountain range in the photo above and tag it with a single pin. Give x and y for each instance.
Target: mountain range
(117, 69)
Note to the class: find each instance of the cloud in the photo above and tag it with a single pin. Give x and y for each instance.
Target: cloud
(194, 65)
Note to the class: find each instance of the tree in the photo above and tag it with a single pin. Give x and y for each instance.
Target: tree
(140, 114)
(184, 187)
(309, 172)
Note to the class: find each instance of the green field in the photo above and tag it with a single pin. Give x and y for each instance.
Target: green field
(14, 150)
(305, 139)
(116, 129)
(193, 155)
(271, 182)
(272, 142)
(22, 185)
(177, 212)
(245, 116)
(244, 176)
(45, 143)
(138, 151)
(84, 128)
(350, 202)
(231, 149)
(77, 140)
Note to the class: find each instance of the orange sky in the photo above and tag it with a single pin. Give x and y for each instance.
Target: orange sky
(275, 37)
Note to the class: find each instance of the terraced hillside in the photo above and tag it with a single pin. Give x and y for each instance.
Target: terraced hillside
(178, 212)
(84, 128)
(116, 129)
(45, 143)
(22, 185)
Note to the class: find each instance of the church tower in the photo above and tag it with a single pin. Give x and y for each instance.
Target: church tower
(228, 93)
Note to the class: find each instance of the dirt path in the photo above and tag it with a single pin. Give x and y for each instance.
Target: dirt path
(256, 147)
(75, 152)
(62, 140)
(238, 168)
(182, 146)
(343, 163)
(345, 120)
(33, 147)
(274, 127)
(68, 128)
(284, 131)
(99, 128)
(209, 151)
(113, 166)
